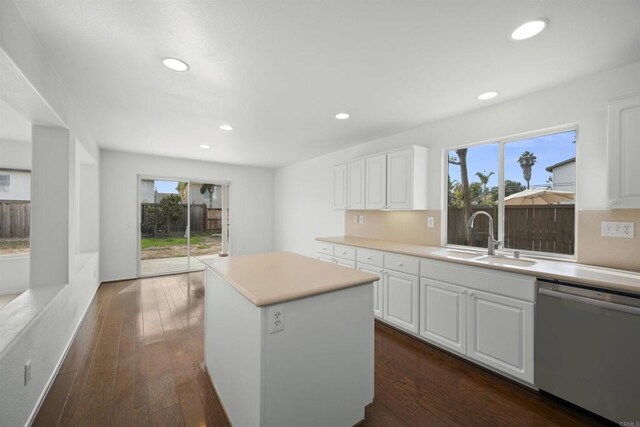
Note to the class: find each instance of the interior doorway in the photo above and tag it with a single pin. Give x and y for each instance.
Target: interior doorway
(182, 222)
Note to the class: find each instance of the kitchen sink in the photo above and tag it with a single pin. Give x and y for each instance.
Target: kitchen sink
(503, 260)
(456, 254)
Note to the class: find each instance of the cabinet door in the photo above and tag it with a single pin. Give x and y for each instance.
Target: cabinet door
(400, 179)
(400, 304)
(624, 152)
(340, 186)
(345, 262)
(443, 314)
(377, 288)
(376, 182)
(355, 182)
(500, 333)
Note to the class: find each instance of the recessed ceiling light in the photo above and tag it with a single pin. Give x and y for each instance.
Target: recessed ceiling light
(342, 116)
(487, 95)
(530, 29)
(175, 64)
(226, 127)
(205, 146)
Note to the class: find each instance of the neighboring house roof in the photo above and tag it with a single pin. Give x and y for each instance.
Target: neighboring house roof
(562, 163)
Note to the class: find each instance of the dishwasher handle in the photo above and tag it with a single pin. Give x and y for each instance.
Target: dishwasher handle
(590, 301)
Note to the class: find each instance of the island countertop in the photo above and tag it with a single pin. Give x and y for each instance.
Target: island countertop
(277, 277)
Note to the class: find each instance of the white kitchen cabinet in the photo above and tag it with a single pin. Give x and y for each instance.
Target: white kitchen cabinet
(377, 287)
(500, 333)
(356, 184)
(624, 151)
(340, 190)
(443, 314)
(376, 182)
(400, 305)
(393, 180)
(407, 178)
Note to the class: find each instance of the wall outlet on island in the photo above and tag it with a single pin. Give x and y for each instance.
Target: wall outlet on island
(430, 222)
(275, 316)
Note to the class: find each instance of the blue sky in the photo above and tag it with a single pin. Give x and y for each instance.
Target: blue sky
(166, 186)
(549, 150)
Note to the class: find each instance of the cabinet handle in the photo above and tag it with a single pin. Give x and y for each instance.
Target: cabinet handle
(400, 264)
(471, 293)
(464, 291)
(368, 257)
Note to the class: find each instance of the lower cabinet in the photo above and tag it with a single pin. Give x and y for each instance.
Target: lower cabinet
(377, 287)
(443, 314)
(501, 333)
(401, 303)
(482, 314)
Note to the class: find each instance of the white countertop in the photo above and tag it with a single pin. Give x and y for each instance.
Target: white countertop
(569, 271)
(276, 277)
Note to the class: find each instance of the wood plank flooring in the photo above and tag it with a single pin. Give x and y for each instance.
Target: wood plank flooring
(138, 360)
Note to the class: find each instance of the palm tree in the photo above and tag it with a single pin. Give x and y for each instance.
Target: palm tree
(484, 180)
(526, 162)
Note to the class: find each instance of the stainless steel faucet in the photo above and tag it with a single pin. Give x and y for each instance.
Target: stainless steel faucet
(492, 243)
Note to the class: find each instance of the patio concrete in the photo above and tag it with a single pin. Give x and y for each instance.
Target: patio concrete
(151, 267)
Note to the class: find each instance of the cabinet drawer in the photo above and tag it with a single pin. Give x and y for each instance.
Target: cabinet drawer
(498, 282)
(366, 256)
(344, 252)
(324, 248)
(402, 264)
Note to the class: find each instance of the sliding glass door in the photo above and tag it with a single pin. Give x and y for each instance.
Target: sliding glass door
(181, 223)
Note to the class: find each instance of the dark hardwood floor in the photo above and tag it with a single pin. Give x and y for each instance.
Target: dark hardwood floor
(138, 360)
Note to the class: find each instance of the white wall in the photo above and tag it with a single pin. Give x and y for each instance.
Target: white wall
(45, 338)
(564, 177)
(303, 190)
(251, 205)
(19, 185)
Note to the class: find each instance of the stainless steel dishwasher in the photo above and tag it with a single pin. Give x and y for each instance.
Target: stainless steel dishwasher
(587, 348)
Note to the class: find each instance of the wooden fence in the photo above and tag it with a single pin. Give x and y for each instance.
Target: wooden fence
(547, 228)
(15, 219)
(202, 219)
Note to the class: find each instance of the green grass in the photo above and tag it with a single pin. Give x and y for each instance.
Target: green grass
(152, 242)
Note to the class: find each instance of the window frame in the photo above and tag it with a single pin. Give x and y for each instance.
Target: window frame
(502, 142)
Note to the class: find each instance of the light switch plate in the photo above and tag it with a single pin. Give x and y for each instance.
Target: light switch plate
(361, 219)
(618, 229)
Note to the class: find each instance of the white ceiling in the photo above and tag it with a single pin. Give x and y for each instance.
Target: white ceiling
(278, 71)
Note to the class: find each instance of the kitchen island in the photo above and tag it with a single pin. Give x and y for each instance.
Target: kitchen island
(289, 340)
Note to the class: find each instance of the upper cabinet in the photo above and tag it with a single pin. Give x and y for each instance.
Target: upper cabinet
(340, 186)
(376, 182)
(407, 178)
(356, 184)
(624, 151)
(393, 180)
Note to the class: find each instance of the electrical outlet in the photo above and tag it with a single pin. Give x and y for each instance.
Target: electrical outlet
(27, 372)
(430, 222)
(617, 229)
(355, 219)
(361, 219)
(276, 318)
